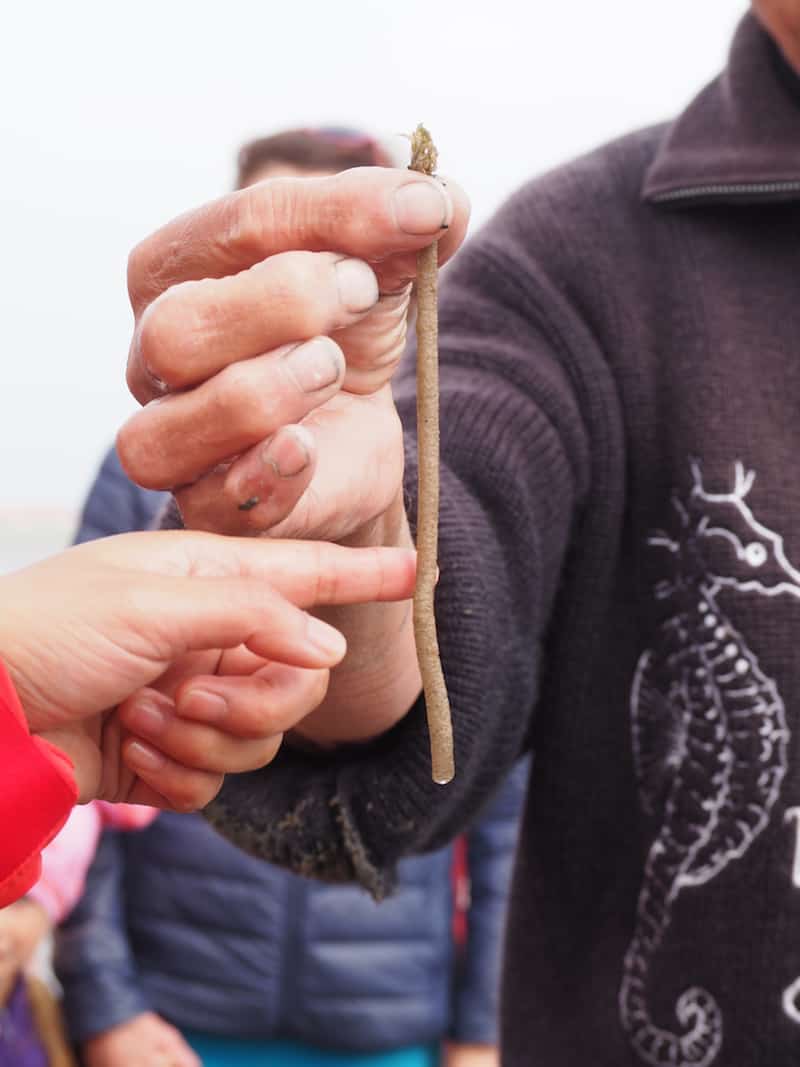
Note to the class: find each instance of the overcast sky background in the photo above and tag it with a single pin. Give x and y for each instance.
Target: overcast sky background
(114, 118)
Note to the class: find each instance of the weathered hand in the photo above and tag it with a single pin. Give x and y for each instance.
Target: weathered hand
(268, 326)
(84, 631)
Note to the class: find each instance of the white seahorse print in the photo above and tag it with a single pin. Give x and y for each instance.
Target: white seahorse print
(709, 740)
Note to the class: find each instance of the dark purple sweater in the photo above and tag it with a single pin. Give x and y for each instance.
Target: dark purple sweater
(620, 591)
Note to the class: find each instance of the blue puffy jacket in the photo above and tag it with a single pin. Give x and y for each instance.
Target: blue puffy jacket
(176, 920)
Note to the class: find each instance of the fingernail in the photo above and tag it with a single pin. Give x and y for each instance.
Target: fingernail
(288, 454)
(146, 718)
(203, 706)
(325, 638)
(316, 364)
(289, 451)
(143, 756)
(358, 286)
(422, 208)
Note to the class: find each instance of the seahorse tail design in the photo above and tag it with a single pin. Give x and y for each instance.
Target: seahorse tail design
(696, 1010)
(698, 1015)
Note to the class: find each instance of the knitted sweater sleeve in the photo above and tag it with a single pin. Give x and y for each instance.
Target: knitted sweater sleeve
(515, 462)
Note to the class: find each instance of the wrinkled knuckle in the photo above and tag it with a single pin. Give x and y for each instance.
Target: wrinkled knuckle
(190, 316)
(262, 218)
(345, 206)
(383, 360)
(202, 306)
(387, 363)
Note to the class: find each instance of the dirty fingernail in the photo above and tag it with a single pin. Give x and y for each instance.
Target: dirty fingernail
(286, 455)
(144, 757)
(358, 286)
(422, 207)
(289, 451)
(316, 364)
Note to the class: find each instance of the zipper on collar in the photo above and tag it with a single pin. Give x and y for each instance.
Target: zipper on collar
(721, 190)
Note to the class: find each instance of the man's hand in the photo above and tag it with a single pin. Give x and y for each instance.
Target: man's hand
(268, 327)
(144, 1041)
(85, 631)
(282, 304)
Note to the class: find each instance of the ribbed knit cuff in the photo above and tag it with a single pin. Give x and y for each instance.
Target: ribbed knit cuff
(352, 814)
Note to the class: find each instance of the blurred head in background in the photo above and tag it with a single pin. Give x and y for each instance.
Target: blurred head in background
(313, 151)
(781, 19)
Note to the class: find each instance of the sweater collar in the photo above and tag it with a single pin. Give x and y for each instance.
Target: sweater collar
(739, 140)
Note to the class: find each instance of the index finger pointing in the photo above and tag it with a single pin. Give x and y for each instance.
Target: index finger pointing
(368, 212)
(304, 572)
(317, 573)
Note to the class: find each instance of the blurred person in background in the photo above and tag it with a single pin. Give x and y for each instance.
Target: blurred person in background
(32, 1032)
(619, 546)
(186, 949)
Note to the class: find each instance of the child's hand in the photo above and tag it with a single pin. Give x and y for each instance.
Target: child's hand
(22, 926)
(144, 1041)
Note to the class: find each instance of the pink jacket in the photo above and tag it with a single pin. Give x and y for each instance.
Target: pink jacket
(67, 858)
